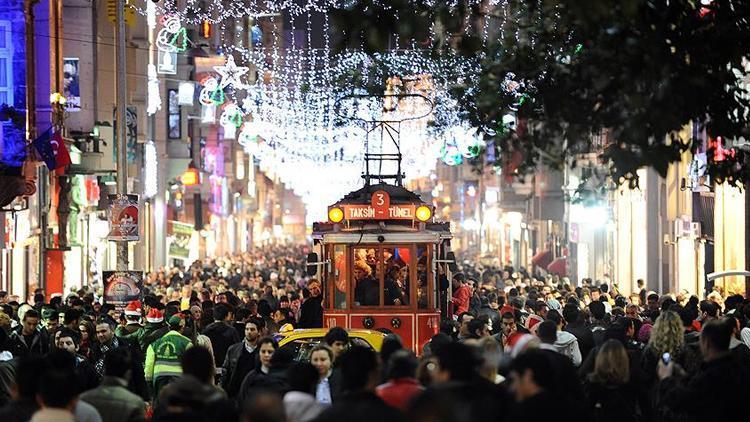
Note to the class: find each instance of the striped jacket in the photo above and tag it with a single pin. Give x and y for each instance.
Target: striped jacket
(163, 356)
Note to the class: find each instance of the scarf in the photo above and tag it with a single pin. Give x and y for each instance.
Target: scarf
(104, 348)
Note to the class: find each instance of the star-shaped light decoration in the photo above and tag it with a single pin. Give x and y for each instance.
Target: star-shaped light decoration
(231, 73)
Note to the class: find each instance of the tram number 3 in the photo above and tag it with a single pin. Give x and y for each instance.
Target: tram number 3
(380, 202)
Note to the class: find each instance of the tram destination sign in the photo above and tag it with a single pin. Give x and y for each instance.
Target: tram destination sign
(368, 212)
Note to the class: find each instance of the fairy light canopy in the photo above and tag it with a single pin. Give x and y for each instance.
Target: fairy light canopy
(277, 91)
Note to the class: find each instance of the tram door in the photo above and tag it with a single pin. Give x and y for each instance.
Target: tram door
(387, 287)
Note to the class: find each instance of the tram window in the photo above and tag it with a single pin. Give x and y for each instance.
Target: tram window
(366, 279)
(422, 278)
(339, 277)
(396, 282)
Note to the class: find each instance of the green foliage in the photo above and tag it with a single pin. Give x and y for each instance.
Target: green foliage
(641, 69)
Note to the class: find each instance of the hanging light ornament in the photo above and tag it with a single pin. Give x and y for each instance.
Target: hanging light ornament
(294, 131)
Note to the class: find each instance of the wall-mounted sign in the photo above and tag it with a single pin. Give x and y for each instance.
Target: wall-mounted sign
(167, 63)
(122, 287)
(71, 84)
(123, 218)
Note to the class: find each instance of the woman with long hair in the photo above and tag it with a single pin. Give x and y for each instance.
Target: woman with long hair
(610, 395)
(88, 338)
(667, 336)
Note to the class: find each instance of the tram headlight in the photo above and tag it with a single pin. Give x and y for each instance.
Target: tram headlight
(424, 213)
(335, 215)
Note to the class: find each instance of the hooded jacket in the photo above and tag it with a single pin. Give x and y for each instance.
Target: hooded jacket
(567, 344)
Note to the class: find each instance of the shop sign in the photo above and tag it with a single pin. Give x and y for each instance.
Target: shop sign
(122, 287)
(368, 212)
(574, 233)
(123, 218)
(179, 245)
(72, 84)
(55, 268)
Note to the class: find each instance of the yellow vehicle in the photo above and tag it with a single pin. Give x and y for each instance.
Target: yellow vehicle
(302, 341)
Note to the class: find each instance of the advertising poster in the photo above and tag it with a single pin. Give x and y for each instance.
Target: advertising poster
(179, 245)
(121, 287)
(72, 84)
(123, 218)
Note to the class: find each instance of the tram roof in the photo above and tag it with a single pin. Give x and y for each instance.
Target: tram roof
(398, 195)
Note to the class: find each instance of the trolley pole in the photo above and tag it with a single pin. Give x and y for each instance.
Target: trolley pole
(121, 99)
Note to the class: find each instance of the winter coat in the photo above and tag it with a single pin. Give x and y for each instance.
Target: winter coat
(17, 344)
(399, 392)
(222, 336)
(567, 344)
(164, 355)
(137, 383)
(611, 402)
(150, 333)
(114, 402)
(229, 374)
(584, 336)
(311, 313)
(717, 392)
(257, 380)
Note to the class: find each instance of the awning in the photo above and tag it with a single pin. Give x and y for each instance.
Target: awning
(542, 259)
(558, 266)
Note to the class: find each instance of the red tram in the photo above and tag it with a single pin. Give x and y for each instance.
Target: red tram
(380, 257)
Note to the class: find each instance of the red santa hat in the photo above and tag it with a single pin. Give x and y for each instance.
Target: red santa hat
(133, 308)
(155, 315)
(532, 321)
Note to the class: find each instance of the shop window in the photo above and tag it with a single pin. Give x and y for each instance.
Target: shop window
(174, 118)
(6, 64)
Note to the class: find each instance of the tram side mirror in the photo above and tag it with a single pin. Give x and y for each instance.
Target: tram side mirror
(312, 264)
(451, 258)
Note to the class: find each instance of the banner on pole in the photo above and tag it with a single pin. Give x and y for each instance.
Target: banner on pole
(123, 218)
(122, 287)
(179, 241)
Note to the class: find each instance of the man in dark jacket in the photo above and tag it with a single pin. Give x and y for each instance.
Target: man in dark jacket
(108, 342)
(69, 341)
(718, 389)
(533, 383)
(221, 332)
(578, 328)
(311, 311)
(241, 358)
(26, 340)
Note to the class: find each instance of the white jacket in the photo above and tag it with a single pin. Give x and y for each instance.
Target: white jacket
(567, 344)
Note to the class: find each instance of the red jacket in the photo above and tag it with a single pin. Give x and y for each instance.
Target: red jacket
(399, 392)
(460, 300)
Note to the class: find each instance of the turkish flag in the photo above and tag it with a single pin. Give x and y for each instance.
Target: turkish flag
(62, 157)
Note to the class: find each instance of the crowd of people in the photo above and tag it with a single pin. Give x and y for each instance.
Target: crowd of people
(202, 345)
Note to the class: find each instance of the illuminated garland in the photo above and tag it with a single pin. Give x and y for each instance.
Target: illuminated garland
(289, 119)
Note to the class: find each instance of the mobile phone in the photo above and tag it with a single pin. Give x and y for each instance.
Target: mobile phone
(666, 358)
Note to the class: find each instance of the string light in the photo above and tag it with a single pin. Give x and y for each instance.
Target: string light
(150, 165)
(290, 118)
(154, 96)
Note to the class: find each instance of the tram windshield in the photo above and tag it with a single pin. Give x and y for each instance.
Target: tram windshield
(379, 275)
